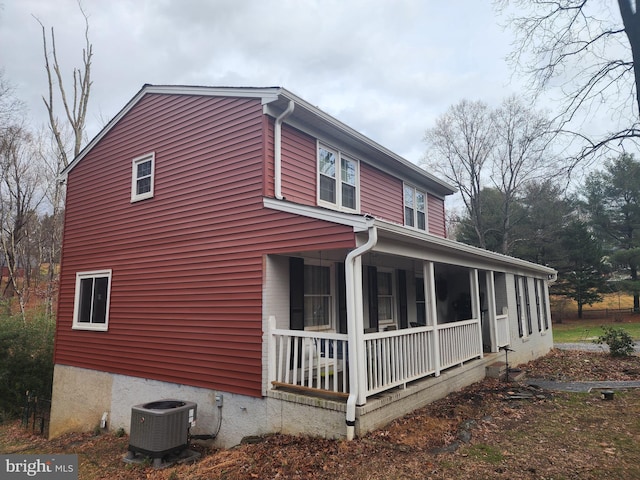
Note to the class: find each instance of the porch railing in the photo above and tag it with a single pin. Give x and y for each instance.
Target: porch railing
(398, 357)
(502, 330)
(459, 342)
(320, 361)
(310, 360)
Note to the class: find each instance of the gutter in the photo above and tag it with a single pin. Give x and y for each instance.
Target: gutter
(355, 327)
(277, 149)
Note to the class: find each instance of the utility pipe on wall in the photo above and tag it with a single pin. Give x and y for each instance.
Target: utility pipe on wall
(277, 150)
(355, 327)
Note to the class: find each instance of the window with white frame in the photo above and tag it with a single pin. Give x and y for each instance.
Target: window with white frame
(91, 305)
(520, 286)
(318, 302)
(415, 208)
(421, 312)
(337, 179)
(142, 177)
(385, 297)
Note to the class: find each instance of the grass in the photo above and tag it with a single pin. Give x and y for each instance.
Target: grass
(581, 331)
(575, 330)
(486, 453)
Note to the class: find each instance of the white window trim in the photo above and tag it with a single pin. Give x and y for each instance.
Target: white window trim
(76, 304)
(415, 189)
(135, 197)
(332, 294)
(393, 296)
(339, 156)
(522, 284)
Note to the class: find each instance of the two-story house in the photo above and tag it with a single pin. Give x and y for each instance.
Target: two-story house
(241, 243)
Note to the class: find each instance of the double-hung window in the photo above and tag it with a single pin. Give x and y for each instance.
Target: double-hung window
(318, 304)
(337, 179)
(385, 297)
(91, 306)
(415, 208)
(143, 169)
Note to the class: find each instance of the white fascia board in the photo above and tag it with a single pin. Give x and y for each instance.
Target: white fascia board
(451, 248)
(266, 94)
(452, 251)
(359, 223)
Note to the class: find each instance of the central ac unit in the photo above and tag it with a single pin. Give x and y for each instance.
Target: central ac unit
(160, 428)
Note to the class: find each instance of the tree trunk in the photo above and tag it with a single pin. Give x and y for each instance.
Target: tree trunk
(632, 29)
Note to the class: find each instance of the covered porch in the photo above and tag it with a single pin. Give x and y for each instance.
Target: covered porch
(380, 318)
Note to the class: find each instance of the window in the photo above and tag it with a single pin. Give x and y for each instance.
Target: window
(91, 307)
(415, 204)
(385, 297)
(543, 305)
(421, 313)
(142, 177)
(516, 280)
(538, 310)
(528, 303)
(337, 179)
(317, 297)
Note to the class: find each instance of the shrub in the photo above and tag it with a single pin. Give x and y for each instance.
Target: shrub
(26, 361)
(619, 341)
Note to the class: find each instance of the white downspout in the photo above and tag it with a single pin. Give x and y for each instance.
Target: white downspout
(277, 149)
(355, 327)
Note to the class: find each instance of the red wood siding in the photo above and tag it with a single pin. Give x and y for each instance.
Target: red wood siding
(299, 160)
(187, 264)
(381, 194)
(435, 216)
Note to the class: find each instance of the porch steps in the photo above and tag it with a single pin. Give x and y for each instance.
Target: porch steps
(499, 370)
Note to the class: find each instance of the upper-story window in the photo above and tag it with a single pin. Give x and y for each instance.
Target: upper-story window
(415, 208)
(337, 179)
(142, 177)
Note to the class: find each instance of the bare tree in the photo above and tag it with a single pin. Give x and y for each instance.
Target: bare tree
(20, 195)
(64, 133)
(76, 112)
(474, 146)
(458, 147)
(586, 50)
(10, 106)
(520, 155)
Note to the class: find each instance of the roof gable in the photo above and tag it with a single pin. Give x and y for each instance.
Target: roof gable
(305, 117)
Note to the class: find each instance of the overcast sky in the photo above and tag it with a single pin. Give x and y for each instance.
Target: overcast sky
(387, 68)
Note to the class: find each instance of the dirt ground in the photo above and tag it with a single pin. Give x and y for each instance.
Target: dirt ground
(492, 429)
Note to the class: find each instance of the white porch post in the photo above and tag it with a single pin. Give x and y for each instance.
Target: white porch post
(429, 275)
(271, 368)
(492, 313)
(475, 303)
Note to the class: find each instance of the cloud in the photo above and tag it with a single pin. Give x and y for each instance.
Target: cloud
(386, 68)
